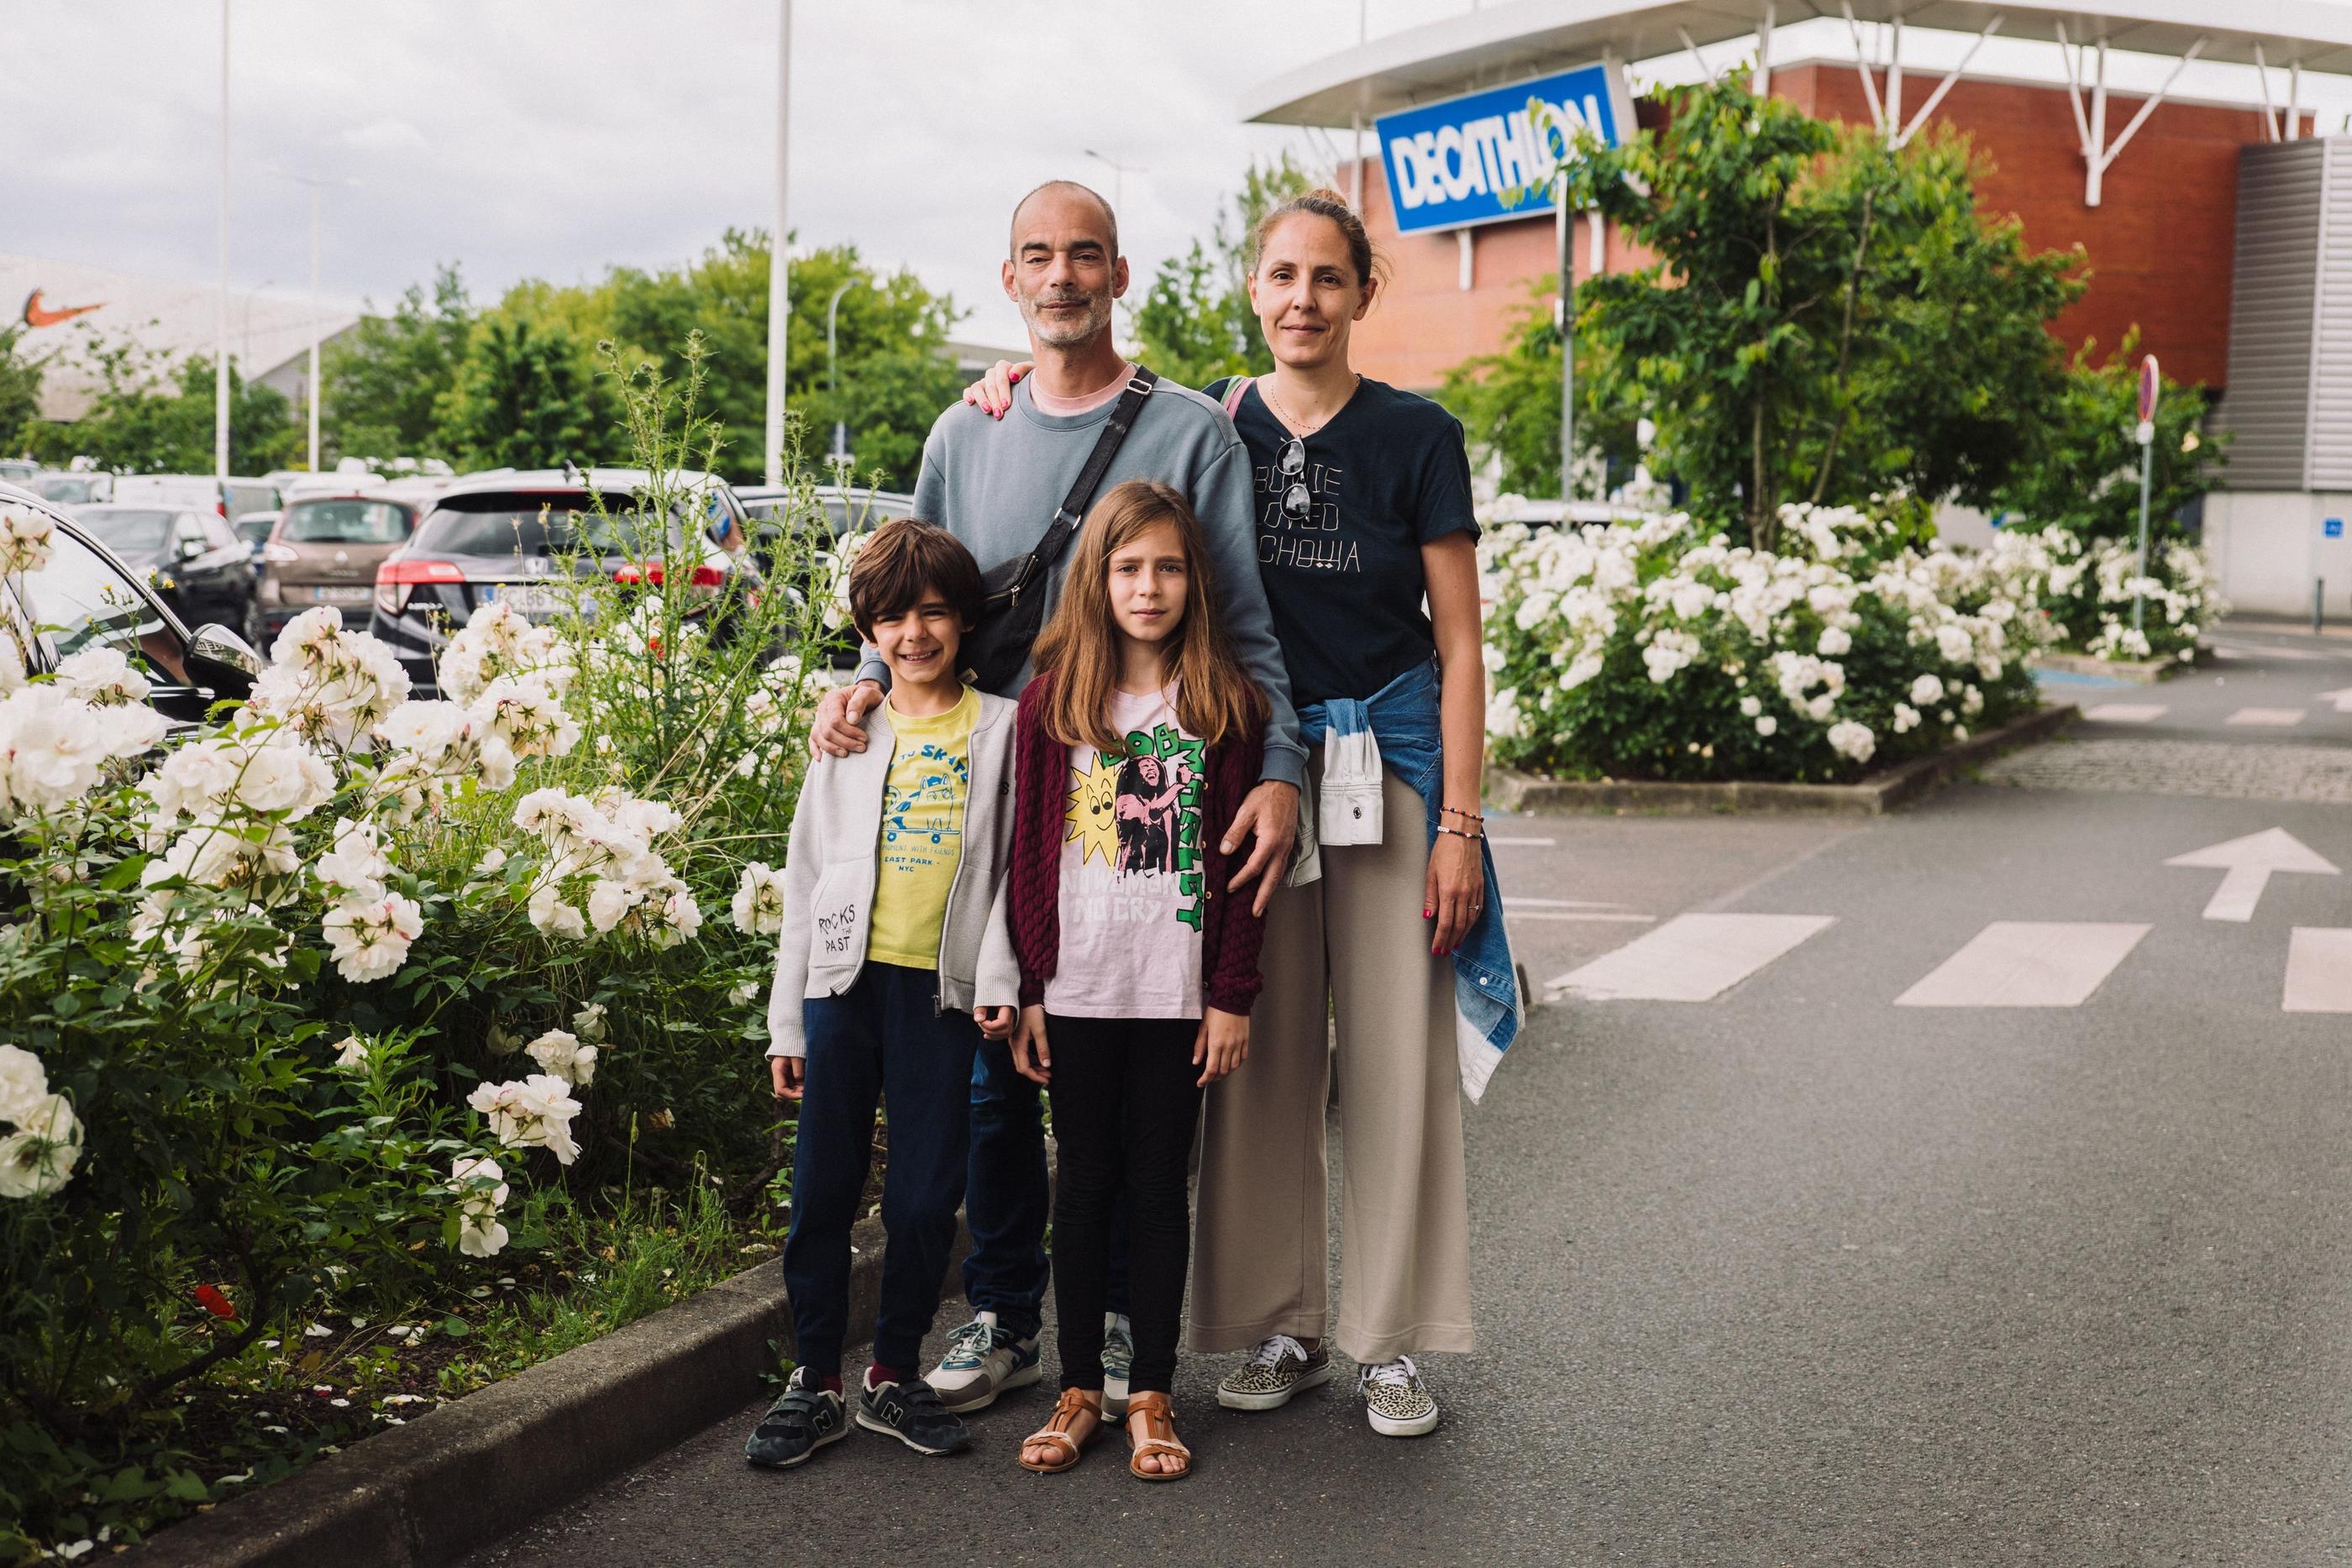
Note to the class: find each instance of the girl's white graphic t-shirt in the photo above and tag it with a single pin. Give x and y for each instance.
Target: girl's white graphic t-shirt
(1133, 893)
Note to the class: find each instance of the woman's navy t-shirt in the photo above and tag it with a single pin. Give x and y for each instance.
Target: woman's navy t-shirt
(1339, 540)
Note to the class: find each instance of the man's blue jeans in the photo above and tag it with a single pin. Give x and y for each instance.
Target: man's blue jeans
(1008, 1200)
(885, 1037)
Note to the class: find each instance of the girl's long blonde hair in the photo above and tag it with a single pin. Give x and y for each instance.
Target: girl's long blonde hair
(1215, 698)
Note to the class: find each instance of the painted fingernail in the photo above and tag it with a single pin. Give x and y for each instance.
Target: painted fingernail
(1427, 913)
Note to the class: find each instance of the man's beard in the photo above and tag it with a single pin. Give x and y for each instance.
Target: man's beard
(1060, 331)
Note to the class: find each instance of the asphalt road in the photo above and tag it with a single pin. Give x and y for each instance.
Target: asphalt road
(1797, 1274)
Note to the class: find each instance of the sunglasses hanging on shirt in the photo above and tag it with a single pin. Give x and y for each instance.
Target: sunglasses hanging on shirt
(1297, 502)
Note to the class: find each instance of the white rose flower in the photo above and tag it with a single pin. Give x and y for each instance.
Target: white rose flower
(588, 1023)
(1751, 707)
(741, 993)
(357, 864)
(563, 1056)
(352, 1053)
(38, 1157)
(1835, 641)
(1849, 739)
(23, 1084)
(1906, 718)
(24, 538)
(550, 917)
(284, 775)
(533, 1112)
(101, 676)
(1767, 725)
(480, 1235)
(1927, 691)
(758, 905)
(369, 939)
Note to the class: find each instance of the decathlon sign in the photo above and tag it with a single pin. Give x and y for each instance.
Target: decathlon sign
(1491, 155)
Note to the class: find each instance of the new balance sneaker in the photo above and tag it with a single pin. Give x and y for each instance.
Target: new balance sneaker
(1278, 1368)
(807, 1417)
(1117, 1362)
(1395, 1403)
(982, 1360)
(911, 1413)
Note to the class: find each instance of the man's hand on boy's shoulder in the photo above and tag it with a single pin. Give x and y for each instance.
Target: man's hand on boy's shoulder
(839, 727)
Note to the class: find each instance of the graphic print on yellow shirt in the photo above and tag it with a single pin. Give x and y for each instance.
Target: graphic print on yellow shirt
(922, 832)
(1132, 892)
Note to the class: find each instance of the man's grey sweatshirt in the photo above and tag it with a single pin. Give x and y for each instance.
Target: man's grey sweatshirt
(995, 485)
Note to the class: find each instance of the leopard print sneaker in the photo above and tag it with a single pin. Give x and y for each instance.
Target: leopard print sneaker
(1278, 1368)
(1395, 1401)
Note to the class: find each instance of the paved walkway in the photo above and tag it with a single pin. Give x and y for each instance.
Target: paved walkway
(1981, 1201)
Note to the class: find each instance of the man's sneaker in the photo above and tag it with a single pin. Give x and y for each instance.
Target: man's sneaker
(1118, 1362)
(1394, 1400)
(1278, 1368)
(982, 1361)
(911, 1412)
(805, 1420)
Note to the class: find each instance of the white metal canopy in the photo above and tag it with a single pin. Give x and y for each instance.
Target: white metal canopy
(1499, 44)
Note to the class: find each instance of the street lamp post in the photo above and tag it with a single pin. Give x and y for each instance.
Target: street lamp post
(1566, 224)
(833, 368)
(1119, 174)
(316, 309)
(779, 296)
(220, 305)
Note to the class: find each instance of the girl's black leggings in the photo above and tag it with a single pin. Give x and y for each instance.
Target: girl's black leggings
(1125, 1107)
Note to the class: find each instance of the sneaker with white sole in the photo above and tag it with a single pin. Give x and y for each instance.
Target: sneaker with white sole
(1278, 1368)
(807, 1417)
(911, 1413)
(1395, 1401)
(983, 1359)
(1117, 1364)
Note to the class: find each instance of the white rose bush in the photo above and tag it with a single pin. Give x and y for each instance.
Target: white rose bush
(2091, 585)
(336, 990)
(1658, 649)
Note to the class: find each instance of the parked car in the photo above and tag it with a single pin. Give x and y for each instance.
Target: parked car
(324, 551)
(514, 538)
(249, 495)
(87, 596)
(845, 510)
(192, 556)
(231, 498)
(71, 488)
(16, 470)
(254, 529)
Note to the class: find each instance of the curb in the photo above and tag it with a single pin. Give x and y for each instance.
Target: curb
(448, 1483)
(2142, 671)
(1873, 797)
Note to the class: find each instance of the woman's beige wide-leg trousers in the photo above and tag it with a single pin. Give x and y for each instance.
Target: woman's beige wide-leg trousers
(1260, 1256)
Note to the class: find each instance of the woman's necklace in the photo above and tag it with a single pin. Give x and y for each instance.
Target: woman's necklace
(1297, 427)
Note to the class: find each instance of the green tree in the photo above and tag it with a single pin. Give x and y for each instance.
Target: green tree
(2080, 469)
(386, 381)
(147, 416)
(20, 391)
(528, 395)
(1827, 320)
(1196, 323)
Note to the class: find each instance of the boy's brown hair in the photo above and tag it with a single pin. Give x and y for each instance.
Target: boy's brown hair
(905, 559)
(1215, 698)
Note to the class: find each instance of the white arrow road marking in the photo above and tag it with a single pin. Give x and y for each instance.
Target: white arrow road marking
(2341, 696)
(2027, 964)
(2246, 864)
(1690, 959)
(2319, 970)
(2273, 718)
(2126, 713)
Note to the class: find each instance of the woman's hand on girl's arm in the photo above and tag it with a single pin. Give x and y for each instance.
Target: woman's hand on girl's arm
(993, 392)
(1456, 890)
(995, 1023)
(1031, 1056)
(1222, 1044)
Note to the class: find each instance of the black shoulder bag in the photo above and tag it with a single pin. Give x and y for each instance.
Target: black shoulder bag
(1015, 610)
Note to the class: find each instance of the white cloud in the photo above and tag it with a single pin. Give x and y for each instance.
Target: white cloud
(384, 136)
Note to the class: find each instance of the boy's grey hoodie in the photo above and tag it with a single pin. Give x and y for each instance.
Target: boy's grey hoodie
(832, 863)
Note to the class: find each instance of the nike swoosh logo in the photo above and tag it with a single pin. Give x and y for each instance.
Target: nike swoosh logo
(38, 315)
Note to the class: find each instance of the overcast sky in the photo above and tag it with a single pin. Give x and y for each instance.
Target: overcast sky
(553, 137)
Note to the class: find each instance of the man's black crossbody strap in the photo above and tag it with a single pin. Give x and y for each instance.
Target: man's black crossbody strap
(1014, 611)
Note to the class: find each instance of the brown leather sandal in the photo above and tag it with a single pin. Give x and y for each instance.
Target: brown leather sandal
(1055, 1432)
(1155, 1437)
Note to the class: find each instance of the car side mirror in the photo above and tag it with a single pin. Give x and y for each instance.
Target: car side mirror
(189, 549)
(216, 646)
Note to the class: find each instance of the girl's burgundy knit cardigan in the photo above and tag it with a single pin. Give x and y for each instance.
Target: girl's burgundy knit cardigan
(1230, 927)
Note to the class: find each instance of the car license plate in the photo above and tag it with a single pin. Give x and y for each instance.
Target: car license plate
(342, 594)
(526, 598)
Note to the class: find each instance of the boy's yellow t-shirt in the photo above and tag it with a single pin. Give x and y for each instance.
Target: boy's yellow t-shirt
(922, 833)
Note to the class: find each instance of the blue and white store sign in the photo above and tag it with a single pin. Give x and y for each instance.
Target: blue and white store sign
(1491, 155)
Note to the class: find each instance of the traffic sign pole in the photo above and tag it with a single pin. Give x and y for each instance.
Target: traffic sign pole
(2146, 436)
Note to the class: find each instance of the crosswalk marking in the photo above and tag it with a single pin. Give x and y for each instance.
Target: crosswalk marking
(1504, 844)
(2125, 712)
(2027, 964)
(1595, 916)
(2273, 718)
(2318, 970)
(1690, 959)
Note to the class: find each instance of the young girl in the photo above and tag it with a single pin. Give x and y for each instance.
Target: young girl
(1136, 970)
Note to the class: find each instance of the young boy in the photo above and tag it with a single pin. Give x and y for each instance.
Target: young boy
(894, 928)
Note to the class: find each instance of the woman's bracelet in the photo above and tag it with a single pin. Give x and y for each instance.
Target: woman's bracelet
(1458, 812)
(1459, 833)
